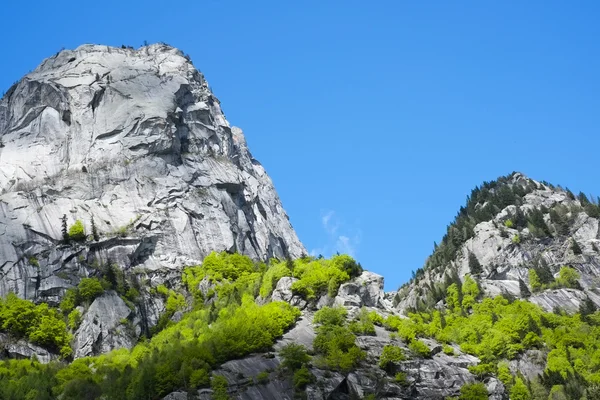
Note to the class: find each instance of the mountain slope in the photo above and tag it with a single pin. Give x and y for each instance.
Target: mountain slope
(144, 254)
(132, 144)
(508, 228)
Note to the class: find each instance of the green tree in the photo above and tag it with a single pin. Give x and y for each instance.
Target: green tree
(77, 231)
(473, 391)
(64, 230)
(474, 265)
(575, 247)
(470, 291)
(534, 280)
(294, 356)
(568, 277)
(302, 377)
(95, 234)
(90, 288)
(390, 355)
(453, 298)
(519, 391)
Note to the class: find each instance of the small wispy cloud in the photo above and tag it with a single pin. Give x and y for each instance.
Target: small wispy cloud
(340, 238)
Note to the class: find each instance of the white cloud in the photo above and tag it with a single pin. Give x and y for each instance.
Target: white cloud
(340, 238)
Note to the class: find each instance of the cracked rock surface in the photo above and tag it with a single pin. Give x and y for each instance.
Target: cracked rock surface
(136, 139)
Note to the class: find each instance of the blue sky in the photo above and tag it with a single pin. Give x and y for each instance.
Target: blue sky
(374, 119)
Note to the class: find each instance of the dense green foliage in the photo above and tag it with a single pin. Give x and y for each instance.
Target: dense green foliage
(321, 276)
(180, 356)
(77, 231)
(475, 391)
(390, 355)
(495, 330)
(335, 343)
(40, 324)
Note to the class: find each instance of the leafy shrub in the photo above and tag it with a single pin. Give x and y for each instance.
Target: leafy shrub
(419, 348)
(390, 355)
(77, 231)
(200, 378)
(534, 280)
(40, 324)
(219, 386)
(317, 277)
(448, 350)
(376, 318)
(516, 239)
(568, 277)
(508, 223)
(400, 379)
(33, 261)
(89, 289)
(294, 356)
(262, 377)
(69, 301)
(302, 377)
(473, 391)
(519, 391)
(331, 316)
(74, 319)
(272, 276)
(363, 325)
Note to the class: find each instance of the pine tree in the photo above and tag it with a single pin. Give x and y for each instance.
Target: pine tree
(524, 289)
(64, 230)
(474, 265)
(575, 247)
(95, 230)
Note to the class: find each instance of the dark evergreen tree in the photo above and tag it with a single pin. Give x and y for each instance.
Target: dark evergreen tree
(64, 229)
(543, 271)
(583, 199)
(524, 289)
(536, 218)
(95, 234)
(518, 218)
(575, 247)
(474, 265)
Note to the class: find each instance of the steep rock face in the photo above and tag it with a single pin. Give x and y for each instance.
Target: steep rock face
(136, 140)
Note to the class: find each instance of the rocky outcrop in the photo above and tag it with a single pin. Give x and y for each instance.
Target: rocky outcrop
(22, 349)
(105, 327)
(506, 254)
(364, 291)
(136, 140)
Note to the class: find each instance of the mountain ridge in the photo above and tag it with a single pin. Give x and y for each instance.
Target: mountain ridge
(144, 253)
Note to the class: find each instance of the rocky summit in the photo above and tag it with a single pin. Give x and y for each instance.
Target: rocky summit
(144, 254)
(136, 140)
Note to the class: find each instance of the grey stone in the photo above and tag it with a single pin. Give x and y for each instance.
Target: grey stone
(101, 329)
(136, 139)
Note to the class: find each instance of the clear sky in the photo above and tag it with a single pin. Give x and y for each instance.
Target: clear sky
(374, 119)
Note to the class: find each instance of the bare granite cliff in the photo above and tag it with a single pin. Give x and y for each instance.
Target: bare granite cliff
(135, 141)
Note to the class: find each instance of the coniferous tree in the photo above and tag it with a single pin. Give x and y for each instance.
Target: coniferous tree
(575, 247)
(64, 229)
(474, 265)
(524, 289)
(95, 234)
